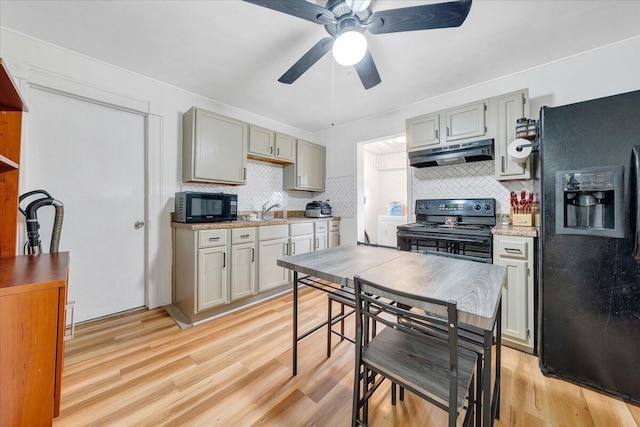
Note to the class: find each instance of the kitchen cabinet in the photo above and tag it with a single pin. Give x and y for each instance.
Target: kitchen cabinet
(423, 131)
(517, 255)
(321, 235)
(33, 295)
(308, 171)
(273, 243)
(467, 121)
(11, 107)
(334, 233)
(510, 108)
(214, 148)
(301, 238)
(265, 144)
(243, 263)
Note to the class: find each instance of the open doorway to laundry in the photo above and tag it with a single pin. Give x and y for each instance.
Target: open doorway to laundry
(381, 189)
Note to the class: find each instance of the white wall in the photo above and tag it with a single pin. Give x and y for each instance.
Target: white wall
(26, 56)
(605, 71)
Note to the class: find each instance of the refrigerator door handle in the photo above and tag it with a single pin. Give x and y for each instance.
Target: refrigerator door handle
(636, 171)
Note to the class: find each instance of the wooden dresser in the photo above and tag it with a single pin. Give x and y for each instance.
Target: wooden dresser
(33, 295)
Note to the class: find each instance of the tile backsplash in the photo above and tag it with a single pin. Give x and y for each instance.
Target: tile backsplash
(468, 180)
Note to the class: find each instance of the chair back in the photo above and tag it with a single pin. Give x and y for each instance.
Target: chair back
(403, 319)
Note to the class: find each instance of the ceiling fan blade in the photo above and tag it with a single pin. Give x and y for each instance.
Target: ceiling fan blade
(368, 72)
(308, 59)
(425, 17)
(300, 8)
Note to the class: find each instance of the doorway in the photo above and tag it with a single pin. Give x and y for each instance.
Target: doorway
(91, 157)
(382, 189)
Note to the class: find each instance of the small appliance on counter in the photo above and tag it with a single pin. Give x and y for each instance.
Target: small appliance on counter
(317, 209)
(194, 207)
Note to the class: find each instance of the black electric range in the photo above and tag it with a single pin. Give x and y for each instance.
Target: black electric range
(459, 228)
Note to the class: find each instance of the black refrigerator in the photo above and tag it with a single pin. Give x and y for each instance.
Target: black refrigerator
(590, 270)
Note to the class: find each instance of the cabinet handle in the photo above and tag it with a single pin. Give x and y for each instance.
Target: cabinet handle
(224, 259)
(70, 308)
(285, 249)
(317, 242)
(437, 134)
(244, 236)
(338, 240)
(213, 239)
(298, 180)
(277, 151)
(244, 174)
(270, 150)
(447, 130)
(253, 255)
(513, 251)
(293, 248)
(502, 162)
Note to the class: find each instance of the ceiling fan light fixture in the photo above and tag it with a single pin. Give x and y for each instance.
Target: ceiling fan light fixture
(349, 48)
(357, 6)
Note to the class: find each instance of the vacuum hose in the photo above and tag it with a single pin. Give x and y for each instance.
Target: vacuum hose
(34, 245)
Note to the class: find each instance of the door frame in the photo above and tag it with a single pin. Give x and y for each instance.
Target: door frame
(33, 77)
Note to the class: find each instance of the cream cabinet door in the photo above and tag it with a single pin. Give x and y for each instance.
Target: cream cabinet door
(511, 107)
(321, 242)
(261, 141)
(212, 278)
(423, 131)
(301, 244)
(243, 270)
(334, 239)
(270, 275)
(308, 172)
(465, 122)
(214, 148)
(285, 147)
(516, 254)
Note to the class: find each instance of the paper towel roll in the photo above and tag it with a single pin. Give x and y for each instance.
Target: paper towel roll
(518, 153)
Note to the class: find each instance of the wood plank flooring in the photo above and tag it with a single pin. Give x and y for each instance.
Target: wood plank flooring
(142, 370)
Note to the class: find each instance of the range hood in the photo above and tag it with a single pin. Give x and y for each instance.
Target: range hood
(452, 154)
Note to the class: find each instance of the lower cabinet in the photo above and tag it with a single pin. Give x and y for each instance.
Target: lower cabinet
(517, 255)
(273, 244)
(243, 270)
(334, 233)
(212, 278)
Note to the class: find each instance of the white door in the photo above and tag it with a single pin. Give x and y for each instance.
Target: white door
(91, 158)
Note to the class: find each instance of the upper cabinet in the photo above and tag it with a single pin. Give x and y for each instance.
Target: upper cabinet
(510, 107)
(214, 148)
(447, 127)
(265, 144)
(308, 172)
(423, 131)
(467, 121)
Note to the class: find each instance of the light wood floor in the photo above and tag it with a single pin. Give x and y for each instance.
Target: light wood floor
(141, 369)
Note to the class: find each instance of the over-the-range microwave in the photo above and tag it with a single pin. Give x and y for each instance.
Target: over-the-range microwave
(192, 206)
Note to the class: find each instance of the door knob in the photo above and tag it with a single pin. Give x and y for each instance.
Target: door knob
(138, 225)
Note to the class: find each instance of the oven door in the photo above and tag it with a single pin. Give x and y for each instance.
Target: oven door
(472, 248)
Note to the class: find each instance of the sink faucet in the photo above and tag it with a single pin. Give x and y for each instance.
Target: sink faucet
(266, 209)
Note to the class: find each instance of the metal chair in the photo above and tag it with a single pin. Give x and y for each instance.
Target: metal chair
(431, 365)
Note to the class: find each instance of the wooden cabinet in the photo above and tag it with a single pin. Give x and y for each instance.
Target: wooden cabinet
(11, 107)
(273, 244)
(243, 263)
(33, 294)
(214, 148)
(334, 233)
(517, 255)
(423, 131)
(510, 108)
(467, 121)
(308, 171)
(265, 144)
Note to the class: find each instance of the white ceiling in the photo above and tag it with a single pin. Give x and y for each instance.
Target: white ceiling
(234, 52)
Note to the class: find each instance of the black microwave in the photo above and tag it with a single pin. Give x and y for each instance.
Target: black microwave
(192, 206)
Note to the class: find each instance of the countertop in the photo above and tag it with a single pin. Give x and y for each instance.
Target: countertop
(248, 223)
(510, 230)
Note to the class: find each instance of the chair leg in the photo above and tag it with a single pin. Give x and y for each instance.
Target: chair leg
(329, 306)
(402, 394)
(393, 394)
(341, 322)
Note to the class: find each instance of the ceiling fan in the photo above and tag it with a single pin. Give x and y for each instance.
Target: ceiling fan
(347, 20)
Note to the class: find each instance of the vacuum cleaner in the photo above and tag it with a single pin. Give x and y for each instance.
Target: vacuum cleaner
(34, 245)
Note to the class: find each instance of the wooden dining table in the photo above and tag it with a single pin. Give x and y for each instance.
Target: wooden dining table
(475, 286)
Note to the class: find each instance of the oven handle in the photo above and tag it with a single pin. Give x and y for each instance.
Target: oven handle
(450, 255)
(444, 237)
